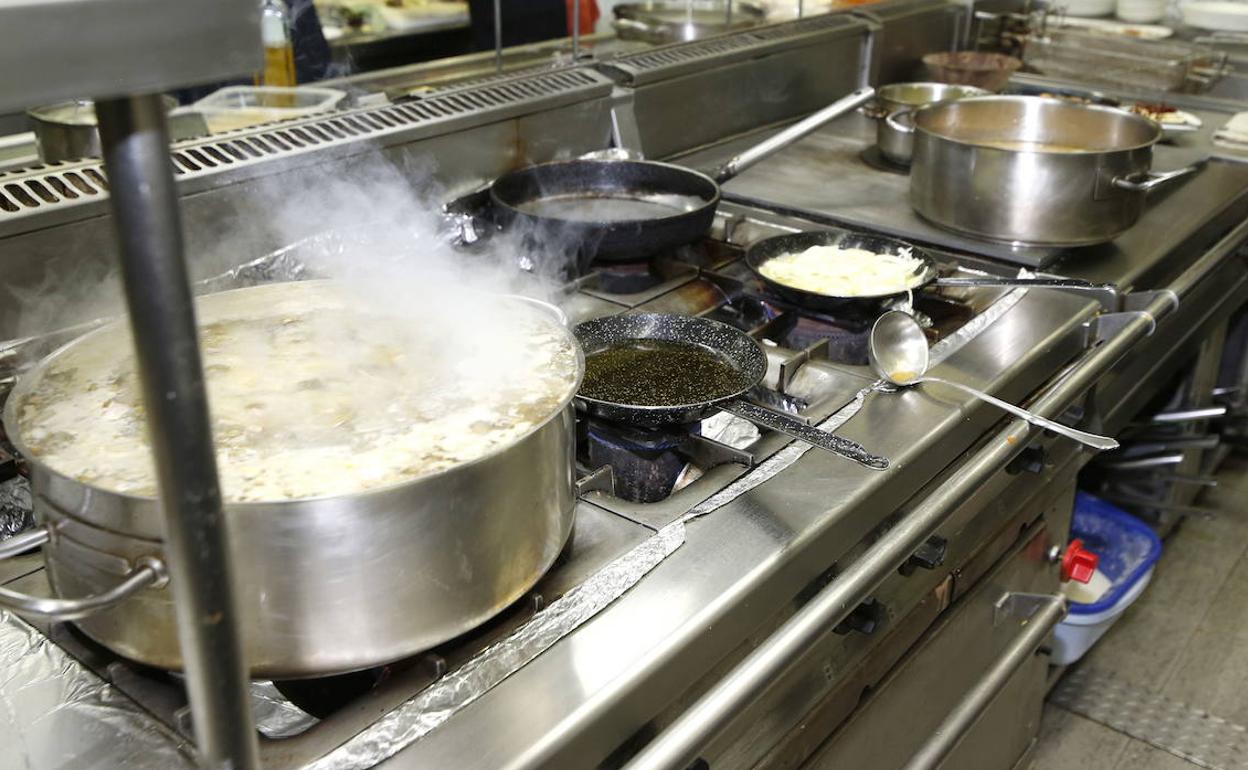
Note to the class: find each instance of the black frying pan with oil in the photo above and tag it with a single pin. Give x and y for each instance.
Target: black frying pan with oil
(615, 210)
(612, 209)
(869, 306)
(652, 369)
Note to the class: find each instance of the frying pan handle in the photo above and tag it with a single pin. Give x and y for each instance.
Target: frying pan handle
(1070, 284)
(850, 450)
(147, 572)
(791, 134)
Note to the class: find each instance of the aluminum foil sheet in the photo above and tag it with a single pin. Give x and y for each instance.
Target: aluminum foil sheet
(16, 507)
(275, 716)
(438, 702)
(57, 715)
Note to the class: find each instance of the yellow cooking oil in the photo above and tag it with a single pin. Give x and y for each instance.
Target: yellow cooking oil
(279, 53)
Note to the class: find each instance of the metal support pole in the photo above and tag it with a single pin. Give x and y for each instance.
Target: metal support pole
(498, 35)
(145, 212)
(728, 14)
(576, 30)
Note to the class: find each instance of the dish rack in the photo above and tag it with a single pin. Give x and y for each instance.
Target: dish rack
(1123, 61)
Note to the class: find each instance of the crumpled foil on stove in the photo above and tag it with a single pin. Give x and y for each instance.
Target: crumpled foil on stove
(773, 465)
(274, 715)
(16, 507)
(54, 713)
(438, 702)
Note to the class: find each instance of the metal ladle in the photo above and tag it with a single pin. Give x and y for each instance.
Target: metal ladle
(898, 352)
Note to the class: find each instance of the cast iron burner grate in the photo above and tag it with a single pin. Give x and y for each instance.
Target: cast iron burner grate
(645, 463)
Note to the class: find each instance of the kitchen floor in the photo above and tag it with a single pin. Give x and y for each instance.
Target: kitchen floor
(1171, 676)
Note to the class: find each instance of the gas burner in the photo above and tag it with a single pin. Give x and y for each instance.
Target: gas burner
(846, 339)
(646, 463)
(876, 160)
(626, 277)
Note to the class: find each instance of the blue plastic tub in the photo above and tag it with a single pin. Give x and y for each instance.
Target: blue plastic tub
(1128, 550)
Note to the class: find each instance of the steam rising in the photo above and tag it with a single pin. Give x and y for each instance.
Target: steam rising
(474, 368)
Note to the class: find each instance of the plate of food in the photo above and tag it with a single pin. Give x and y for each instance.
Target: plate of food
(1170, 118)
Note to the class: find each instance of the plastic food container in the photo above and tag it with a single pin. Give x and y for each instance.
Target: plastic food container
(241, 106)
(1128, 551)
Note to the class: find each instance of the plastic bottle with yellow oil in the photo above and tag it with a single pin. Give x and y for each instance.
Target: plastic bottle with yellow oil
(279, 54)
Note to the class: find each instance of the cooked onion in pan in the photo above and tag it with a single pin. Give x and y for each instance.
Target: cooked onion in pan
(838, 272)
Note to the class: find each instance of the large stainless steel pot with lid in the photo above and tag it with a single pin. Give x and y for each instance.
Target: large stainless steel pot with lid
(1033, 170)
(325, 584)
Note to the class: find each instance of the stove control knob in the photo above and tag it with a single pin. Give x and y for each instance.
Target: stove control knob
(1078, 563)
(930, 555)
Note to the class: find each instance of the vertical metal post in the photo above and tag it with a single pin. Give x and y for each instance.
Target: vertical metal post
(145, 212)
(576, 30)
(728, 14)
(498, 35)
(799, 9)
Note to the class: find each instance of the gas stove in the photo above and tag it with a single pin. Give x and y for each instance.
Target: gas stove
(633, 481)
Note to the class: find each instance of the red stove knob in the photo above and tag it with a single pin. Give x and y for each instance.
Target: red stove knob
(1078, 563)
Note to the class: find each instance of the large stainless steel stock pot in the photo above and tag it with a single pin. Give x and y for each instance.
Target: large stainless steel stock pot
(326, 584)
(1033, 170)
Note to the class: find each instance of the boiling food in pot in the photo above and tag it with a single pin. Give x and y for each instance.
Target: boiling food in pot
(311, 394)
(838, 272)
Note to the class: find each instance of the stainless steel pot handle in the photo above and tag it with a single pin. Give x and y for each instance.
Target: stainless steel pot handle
(897, 125)
(1037, 615)
(1152, 181)
(148, 572)
(791, 134)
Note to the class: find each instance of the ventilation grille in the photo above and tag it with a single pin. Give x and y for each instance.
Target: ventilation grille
(803, 26)
(43, 186)
(492, 78)
(684, 54)
(50, 186)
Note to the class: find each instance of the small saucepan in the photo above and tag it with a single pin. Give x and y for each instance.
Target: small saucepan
(865, 306)
(895, 104)
(653, 369)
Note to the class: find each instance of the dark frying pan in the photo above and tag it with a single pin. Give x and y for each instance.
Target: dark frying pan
(734, 349)
(632, 209)
(864, 306)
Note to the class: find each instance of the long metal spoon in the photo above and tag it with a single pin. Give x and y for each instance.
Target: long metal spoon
(898, 352)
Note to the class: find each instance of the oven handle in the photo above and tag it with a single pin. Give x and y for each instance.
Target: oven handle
(1041, 615)
(148, 572)
(678, 745)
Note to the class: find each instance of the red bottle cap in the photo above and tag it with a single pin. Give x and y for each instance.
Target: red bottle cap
(1078, 563)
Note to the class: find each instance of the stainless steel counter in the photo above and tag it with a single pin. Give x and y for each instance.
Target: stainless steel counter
(601, 690)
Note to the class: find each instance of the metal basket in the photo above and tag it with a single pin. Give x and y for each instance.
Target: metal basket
(1146, 64)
